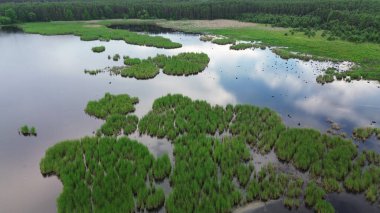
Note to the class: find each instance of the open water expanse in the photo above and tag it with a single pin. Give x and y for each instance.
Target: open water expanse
(43, 84)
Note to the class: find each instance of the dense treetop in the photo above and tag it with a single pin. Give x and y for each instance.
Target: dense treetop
(354, 20)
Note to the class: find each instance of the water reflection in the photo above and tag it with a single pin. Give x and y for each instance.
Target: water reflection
(42, 84)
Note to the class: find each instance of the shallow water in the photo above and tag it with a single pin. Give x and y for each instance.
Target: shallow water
(42, 84)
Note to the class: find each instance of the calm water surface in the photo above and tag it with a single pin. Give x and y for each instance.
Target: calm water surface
(42, 84)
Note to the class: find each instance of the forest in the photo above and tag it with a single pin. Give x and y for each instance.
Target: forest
(353, 20)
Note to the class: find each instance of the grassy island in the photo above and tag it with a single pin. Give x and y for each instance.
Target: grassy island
(183, 63)
(98, 49)
(99, 30)
(26, 131)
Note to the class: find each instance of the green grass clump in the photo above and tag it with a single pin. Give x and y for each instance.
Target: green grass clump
(223, 41)
(155, 200)
(313, 194)
(241, 46)
(363, 133)
(197, 185)
(97, 31)
(98, 49)
(162, 168)
(327, 78)
(365, 176)
(183, 63)
(146, 69)
(116, 57)
(131, 124)
(103, 175)
(92, 72)
(293, 193)
(113, 109)
(131, 61)
(189, 116)
(260, 127)
(111, 104)
(113, 125)
(331, 185)
(26, 131)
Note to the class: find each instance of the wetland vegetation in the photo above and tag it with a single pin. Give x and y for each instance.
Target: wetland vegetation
(188, 63)
(212, 168)
(98, 31)
(25, 130)
(98, 49)
(363, 133)
(215, 144)
(145, 69)
(183, 63)
(243, 46)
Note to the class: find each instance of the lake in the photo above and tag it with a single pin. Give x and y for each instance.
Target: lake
(43, 84)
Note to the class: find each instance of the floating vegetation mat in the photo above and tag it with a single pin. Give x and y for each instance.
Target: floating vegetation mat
(212, 169)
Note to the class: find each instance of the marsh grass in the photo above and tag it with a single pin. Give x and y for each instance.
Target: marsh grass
(103, 174)
(241, 46)
(209, 173)
(111, 104)
(98, 49)
(223, 41)
(183, 63)
(26, 131)
(146, 69)
(363, 133)
(92, 72)
(116, 57)
(131, 61)
(97, 31)
(366, 55)
(326, 78)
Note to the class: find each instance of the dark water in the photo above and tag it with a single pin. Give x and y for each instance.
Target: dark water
(146, 28)
(42, 84)
(343, 203)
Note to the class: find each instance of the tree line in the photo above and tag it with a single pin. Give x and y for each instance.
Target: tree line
(354, 20)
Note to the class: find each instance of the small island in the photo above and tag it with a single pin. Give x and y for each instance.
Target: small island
(98, 49)
(28, 131)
